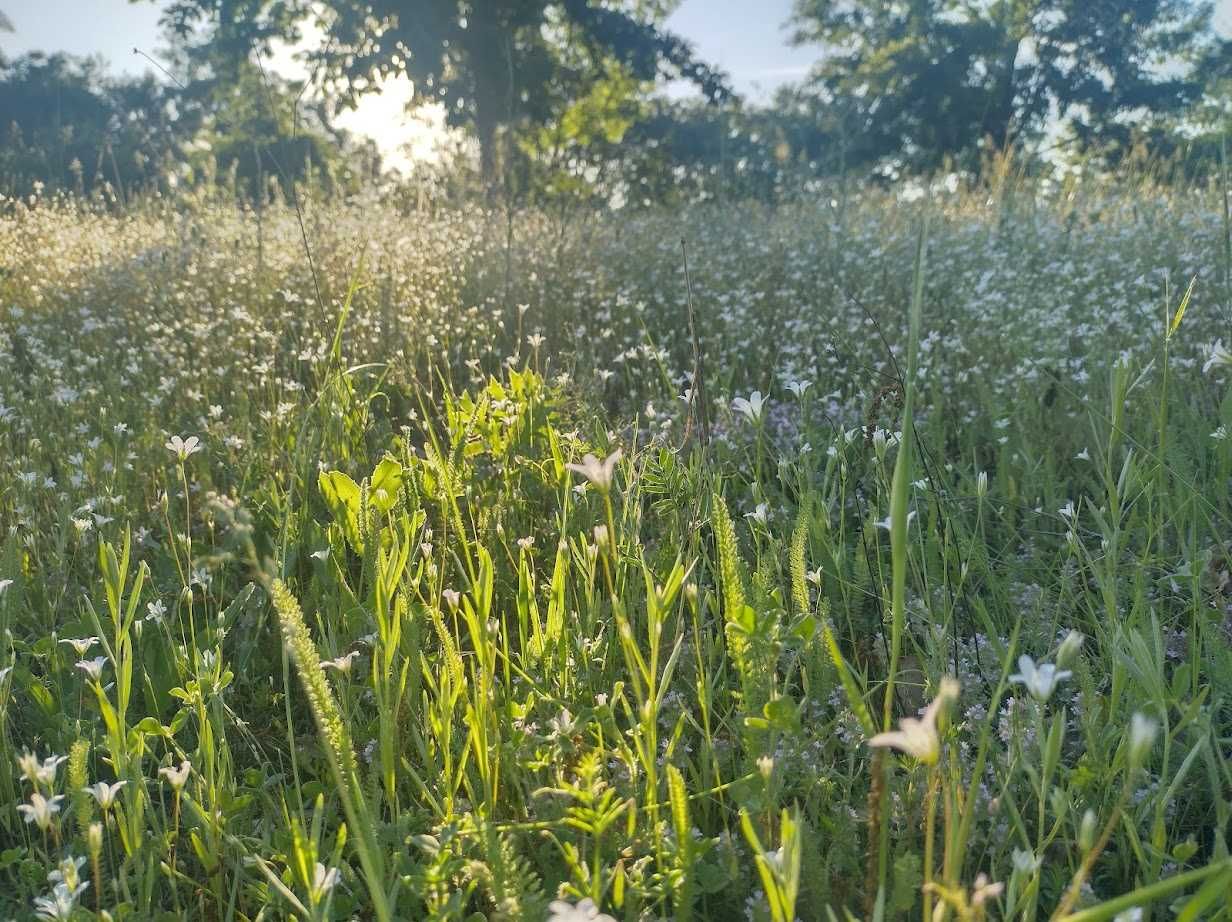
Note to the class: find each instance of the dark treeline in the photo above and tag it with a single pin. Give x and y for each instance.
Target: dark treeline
(565, 99)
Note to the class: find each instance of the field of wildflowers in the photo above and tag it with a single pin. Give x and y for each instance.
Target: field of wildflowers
(369, 562)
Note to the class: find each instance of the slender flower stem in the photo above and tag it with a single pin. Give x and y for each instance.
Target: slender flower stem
(930, 825)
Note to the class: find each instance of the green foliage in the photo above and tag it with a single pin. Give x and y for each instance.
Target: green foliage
(409, 603)
(492, 65)
(925, 83)
(68, 125)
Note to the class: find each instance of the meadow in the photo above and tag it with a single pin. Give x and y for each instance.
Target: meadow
(374, 560)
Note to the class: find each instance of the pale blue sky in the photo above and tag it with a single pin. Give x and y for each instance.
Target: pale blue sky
(744, 37)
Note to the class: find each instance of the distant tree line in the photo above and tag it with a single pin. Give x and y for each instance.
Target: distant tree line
(564, 98)
(68, 124)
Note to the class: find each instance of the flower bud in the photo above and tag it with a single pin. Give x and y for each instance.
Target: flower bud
(765, 765)
(879, 444)
(1142, 732)
(1070, 648)
(602, 539)
(1086, 831)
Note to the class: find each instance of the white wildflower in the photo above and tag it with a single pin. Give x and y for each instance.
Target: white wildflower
(598, 472)
(1039, 680)
(920, 737)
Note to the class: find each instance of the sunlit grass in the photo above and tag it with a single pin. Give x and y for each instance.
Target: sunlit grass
(403, 583)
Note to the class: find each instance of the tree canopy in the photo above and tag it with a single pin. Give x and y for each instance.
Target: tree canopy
(926, 80)
(65, 122)
(489, 63)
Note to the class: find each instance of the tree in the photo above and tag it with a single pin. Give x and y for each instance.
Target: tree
(490, 63)
(684, 150)
(920, 81)
(66, 124)
(257, 128)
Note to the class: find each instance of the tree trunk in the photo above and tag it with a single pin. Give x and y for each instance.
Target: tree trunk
(486, 122)
(491, 89)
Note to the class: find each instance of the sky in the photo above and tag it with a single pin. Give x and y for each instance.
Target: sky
(743, 37)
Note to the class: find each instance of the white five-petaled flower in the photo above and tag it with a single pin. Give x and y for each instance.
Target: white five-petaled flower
(751, 407)
(1039, 680)
(60, 905)
(81, 645)
(888, 522)
(919, 737)
(1025, 861)
(798, 387)
(342, 663)
(176, 777)
(759, 514)
(105, 793)
(183, 447)
(563, 723)
(41, 809)
(985, 890)
(93, 667)
(598, 472)
(323, 880)
(39, 773)
(68, 872)
(1216, 355)
(585, 911)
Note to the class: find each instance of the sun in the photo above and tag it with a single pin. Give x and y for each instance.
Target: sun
(404, 135)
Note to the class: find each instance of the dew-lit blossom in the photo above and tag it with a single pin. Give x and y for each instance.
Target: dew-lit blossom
(183, 448)
(93, 668)
(598, 472)
(176, 777)
(920, 737)
(1040, 680)
(41, 810)
(342, 663)
(323, 881)
(584, 911)
(80, 645)
(105, 793)
(751, 407)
